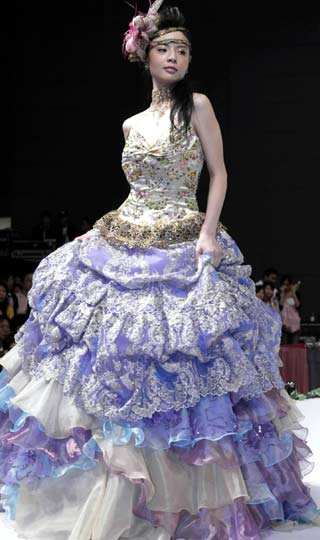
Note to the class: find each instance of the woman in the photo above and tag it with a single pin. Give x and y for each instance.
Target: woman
(290, 304)
(149, 404)
(8, 302)
(270, 297)
(6, 339)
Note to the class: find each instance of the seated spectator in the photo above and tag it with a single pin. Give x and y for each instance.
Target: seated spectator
(270, 298)
(10, 282)
(6, 336)
(260, 292)
(21, 291)
(85, 225)
(290, 304)
(8, 302)
(45, 229)
(65, 231)
(271, 274)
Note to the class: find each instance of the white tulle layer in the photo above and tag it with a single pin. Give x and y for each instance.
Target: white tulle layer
(98, 504)
(91, 505)
(39, 398)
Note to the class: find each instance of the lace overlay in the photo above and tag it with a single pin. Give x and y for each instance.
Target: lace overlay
(124, 319)
(151, 333)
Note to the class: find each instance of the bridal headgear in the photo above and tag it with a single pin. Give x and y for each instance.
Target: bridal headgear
(142, 30)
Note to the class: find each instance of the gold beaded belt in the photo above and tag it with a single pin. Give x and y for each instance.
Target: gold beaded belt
(117, 231)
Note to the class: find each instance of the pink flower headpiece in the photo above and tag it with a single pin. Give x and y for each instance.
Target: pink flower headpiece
(137, 38)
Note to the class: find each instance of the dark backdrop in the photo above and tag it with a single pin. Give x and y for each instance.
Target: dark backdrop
(68, 91)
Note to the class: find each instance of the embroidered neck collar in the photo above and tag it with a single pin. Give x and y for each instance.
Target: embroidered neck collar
(161, 100)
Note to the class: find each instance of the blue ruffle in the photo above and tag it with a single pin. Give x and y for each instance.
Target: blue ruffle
(234, 429)
(20, 461)
(9, 500)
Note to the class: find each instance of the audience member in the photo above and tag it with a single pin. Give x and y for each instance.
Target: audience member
(45, 229)
(6, 336)
(8, 302)
(65, 230)
(270, 297)
(10, 282)
(85, 225)
(271, 274)
(21, 291)
(260, 291)
(290, 304)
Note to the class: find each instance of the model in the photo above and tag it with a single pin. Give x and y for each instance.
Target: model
(143, 398)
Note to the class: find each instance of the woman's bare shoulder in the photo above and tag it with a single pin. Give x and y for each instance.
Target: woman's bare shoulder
(132, 122)
(201, 102)
(203, 113)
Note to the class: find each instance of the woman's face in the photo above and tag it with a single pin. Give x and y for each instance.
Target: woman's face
(168, 59)
(16, 288)
(4, 329)
(3, 293)
(260, 294)
(268, 291)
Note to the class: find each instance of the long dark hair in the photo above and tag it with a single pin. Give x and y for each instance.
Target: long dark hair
(4, 303)
(181, 93)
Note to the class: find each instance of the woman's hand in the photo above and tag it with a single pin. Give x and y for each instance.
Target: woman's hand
(208, 244)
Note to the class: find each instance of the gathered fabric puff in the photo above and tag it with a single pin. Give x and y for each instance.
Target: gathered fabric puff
(131, 332)
(136, 409)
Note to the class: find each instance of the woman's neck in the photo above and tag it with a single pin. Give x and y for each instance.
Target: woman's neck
(161, 100)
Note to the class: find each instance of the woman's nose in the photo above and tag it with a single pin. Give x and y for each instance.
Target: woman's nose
(172, 57)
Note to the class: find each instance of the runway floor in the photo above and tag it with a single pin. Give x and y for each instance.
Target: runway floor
(311, 410)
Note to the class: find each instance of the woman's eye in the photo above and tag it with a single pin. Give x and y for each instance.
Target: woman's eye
(162, 49)
(183, 52)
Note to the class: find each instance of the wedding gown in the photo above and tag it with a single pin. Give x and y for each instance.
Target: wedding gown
(143, 398)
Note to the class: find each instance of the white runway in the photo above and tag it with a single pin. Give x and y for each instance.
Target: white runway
(311, 410)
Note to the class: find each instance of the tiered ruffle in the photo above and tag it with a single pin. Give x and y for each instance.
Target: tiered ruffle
(208, 468)
(143, 401)
(132, 332)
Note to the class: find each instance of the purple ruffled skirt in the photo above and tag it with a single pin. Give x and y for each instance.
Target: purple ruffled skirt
(143, 401)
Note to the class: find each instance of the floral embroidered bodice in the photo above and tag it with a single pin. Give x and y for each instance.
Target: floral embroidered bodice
(163, 176)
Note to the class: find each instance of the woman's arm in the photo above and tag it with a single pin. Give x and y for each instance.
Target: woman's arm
(208, 131)
(294, 296)
(126, 126)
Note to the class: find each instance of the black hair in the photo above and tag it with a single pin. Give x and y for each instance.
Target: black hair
(285, 278)
(4, 303)
(259, 288)
(270, 270)
(4, 285)
(18, 284)
(270, 284)
(181, 94)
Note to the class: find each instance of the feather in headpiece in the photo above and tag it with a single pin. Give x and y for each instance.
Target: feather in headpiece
(142, 26)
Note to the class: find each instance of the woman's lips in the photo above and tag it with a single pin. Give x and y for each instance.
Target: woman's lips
(171, 69)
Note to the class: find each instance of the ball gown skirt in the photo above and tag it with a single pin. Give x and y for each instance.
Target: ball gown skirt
(143, 400)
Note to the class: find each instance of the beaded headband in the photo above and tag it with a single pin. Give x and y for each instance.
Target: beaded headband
(142, 30)
(182, 42)
(160, 33)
